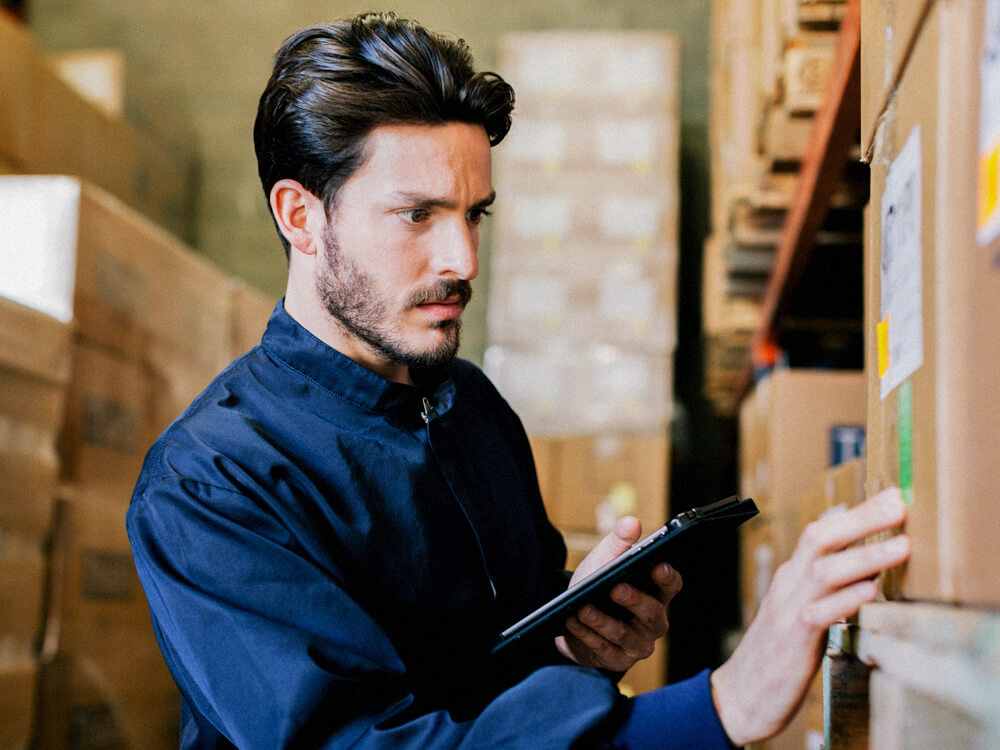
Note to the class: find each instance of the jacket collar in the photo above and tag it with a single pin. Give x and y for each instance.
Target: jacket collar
(287, 340)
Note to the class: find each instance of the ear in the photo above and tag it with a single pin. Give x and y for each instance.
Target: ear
(299, 214)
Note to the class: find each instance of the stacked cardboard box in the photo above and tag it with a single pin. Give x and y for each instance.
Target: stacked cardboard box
(582, 317)
(933, 294)
(48, 126)
(770, 61)
(584, 249)
(935, 679)
(794, 425)
(148, 324)
(34, 371)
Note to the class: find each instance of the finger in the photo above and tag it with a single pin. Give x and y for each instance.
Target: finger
(600, 652)
(880, 512)
(668, 580)
(625, 533)
(856, 563)
(842, 603)
(649, 612)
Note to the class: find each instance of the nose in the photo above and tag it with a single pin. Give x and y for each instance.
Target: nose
(456, 251)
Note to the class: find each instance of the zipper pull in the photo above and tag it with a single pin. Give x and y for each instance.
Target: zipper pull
(426, 413)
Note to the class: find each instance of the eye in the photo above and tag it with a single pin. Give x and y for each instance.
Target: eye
(476, 215)
(415, 215)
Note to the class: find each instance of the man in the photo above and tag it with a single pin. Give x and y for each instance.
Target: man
(333, 534)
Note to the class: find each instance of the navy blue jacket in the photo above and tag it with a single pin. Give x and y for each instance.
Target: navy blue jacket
(328, 557)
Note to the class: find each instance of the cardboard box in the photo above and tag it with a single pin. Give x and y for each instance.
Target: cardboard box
(625, 298)
(251, 310)
(18, 681)
(934, 679)
(933, 295)
(110, 419)
(16, 87)
(638, 147)
(99, 598)
(34, 371)
(558, 388)
(808, 60)
(47, 127)
(793, 425)
(573, 72)
(127, 284)
(591, 480)
(104, 680)
(842, 485)
(603, 212)
(766, 541)
(88, 702)
(888, 33)
(23, 570)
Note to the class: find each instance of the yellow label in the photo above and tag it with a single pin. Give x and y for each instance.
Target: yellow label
(882, 334)
(989, 185)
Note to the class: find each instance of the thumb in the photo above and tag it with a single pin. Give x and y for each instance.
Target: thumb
(625, 533)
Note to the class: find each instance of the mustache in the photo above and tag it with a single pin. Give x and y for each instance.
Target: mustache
(444, 289)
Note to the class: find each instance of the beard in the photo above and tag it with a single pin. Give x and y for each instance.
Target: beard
(350, 296)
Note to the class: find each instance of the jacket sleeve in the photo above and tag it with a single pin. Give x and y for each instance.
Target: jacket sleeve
(269, 649)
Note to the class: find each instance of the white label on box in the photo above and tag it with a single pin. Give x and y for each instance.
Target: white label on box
(631, 218)
(988, 228)
(542, 215)
(38, 234)
(901, 274)
(537, 141)
(631, 142)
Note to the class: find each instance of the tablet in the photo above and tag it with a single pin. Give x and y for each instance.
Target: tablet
(679, 542)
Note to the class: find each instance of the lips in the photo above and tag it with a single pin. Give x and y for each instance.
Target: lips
(445, 301)
(445, 309)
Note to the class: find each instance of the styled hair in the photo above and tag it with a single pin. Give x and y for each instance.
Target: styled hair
(332, 84)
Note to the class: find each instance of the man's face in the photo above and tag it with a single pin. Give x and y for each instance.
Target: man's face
(400, 249)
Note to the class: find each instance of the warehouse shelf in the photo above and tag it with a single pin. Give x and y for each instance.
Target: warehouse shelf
(822, 169)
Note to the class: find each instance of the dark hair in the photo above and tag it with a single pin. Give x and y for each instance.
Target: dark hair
(332, 84)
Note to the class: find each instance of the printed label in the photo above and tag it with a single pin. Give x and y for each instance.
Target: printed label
(988, 228)
(901, 274)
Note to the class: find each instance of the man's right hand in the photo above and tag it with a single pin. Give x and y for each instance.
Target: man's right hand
(826, 579)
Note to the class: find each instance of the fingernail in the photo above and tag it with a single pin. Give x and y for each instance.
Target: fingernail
(891, 501)
(623, 594)
(588, 614)
(898, 544)
(667, 571)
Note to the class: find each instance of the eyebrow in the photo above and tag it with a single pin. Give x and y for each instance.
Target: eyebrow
(426, 201)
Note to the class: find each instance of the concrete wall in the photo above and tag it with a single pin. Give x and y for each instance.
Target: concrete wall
(200, 65)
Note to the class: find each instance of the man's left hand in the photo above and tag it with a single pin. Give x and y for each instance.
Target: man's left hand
(596, 639)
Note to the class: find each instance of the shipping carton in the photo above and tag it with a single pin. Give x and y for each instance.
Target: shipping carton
(794, 424)
(933, 295)
(888, 33)
(18, 684)
(251, 310)
(34, 373)
(599, 478)
(47, 127)
(571, 72)
(103, 677)
(110, 419)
